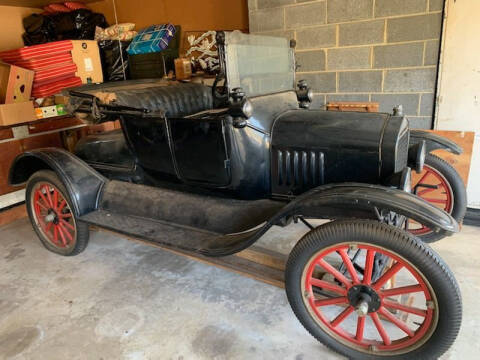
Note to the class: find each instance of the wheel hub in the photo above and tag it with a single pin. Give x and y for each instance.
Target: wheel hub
(364, 299)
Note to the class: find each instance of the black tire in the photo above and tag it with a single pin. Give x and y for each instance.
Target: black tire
(80, 236)
(458, 190)
(396, 241)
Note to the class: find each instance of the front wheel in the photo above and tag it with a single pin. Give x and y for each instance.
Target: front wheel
(369, 291)
(440, 185)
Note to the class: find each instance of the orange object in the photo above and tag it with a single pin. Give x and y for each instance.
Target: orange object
(183, 69)
(353, 106)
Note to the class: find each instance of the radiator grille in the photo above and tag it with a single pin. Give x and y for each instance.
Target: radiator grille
(294, 171)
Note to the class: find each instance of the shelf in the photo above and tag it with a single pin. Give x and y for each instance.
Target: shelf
(36, 3)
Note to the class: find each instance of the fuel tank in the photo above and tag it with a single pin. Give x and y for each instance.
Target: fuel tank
(315, 147)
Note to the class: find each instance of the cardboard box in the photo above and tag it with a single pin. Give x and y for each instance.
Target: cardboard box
(50, 111)
(86, 55)
(15, 84)
(16, 113)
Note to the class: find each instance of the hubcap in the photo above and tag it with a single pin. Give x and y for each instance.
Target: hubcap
(53, 216)
(392, 313)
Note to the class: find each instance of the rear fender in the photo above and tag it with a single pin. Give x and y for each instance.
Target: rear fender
(83, 183)
(433, 142)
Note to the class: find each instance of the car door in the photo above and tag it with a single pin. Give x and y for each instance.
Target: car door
(200, 150)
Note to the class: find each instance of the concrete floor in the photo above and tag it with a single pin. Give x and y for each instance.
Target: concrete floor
(124, 300)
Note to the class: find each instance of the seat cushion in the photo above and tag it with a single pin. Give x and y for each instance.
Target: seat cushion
(175, 100)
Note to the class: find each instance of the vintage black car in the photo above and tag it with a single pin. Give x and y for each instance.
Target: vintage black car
(211, 169)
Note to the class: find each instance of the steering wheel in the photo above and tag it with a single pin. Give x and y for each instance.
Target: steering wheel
(220, 93)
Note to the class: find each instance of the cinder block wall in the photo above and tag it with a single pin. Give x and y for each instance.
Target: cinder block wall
(361, 50)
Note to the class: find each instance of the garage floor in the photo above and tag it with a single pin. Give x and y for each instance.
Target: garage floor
(124, 300)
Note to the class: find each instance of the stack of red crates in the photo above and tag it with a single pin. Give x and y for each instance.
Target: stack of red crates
(52, 63)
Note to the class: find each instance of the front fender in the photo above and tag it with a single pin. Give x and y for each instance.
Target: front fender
(434, 141)
(83, 183)
(356, 200)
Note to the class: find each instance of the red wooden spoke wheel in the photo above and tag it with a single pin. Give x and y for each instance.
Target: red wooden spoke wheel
(432, 186)
(53, 215)
(366, 313)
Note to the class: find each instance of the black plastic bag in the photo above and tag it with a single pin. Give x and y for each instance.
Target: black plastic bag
(112, 66)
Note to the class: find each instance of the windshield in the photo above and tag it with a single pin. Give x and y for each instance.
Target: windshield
(258, 64)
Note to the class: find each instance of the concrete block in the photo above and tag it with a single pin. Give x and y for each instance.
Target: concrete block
(388, 101)
(431, 52)
(287, 34)
(311, 60)
(317, 37)
(436, 5)
(420, 122)
(347, 97)
(349, 10)
(359, 33)
(325, 82)
(402, 55)
(360, 81)
(426, 104)
(266, 20)
(410, 80)
(264, 4)
(305, 15)
(348, 58)
(419, 27)
(318, 102)
(399, 7)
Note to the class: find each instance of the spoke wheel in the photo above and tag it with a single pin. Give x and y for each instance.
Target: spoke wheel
(410, 305)
(51, 214)
(355, 309)
(440, 185)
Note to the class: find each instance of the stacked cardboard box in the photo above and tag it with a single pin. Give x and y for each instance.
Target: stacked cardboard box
(58, 65)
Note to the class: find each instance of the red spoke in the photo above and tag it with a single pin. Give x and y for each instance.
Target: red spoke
(343, 315)
(437, 201)
(425, 191)
(61, 206)
(360, 328)
(337, 274)
(66, 232)
(349, 265)
(387, 276)
(423, 177)
(67, 224)
(404, 308)
(381, 330)
(43, 198)
(39, 203)
(367, 273)
(328, 286)
(60, 231)
(68, 215)
(49, 196)
(331, 301)
(55, 198)
(55, 235)
(400, 324)
(48, 227)
(402, 290)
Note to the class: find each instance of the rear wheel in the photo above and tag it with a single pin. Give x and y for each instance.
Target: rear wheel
(51, 215)
(439, 184)
(346, 299)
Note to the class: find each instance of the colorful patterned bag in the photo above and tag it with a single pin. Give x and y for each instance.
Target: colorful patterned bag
(155, 38)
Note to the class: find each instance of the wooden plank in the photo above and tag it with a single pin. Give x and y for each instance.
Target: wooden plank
(6, 134)
(54, 124)
(245, 264)
(461, 163)
(12, 214)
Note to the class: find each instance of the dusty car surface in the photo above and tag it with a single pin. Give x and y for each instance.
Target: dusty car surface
(211, 169)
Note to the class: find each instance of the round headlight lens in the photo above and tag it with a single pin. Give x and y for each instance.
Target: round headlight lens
(247, 108)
